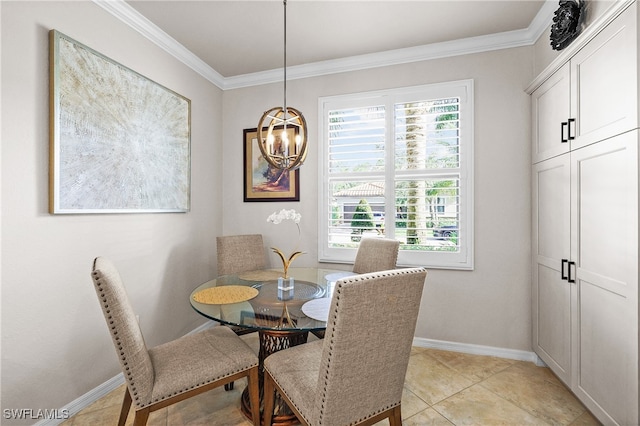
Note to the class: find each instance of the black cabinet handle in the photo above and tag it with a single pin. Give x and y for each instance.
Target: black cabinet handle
(562, 132)
(570, 135)
(569, 278)
(563, 275)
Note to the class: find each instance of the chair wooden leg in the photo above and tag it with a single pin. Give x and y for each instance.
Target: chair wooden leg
(395, 419)
(141, 417)
(268, 399)
(253, 382)
(126, 405)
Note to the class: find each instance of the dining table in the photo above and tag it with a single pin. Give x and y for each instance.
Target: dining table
(282, 310)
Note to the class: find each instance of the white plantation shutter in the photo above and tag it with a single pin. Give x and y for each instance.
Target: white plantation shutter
(356, 139)
(398, 164)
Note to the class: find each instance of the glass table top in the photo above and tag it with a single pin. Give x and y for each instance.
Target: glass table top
(275, 306)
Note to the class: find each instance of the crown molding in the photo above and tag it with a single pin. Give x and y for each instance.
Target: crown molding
(466, 46)
(542, 21)
(128, 15)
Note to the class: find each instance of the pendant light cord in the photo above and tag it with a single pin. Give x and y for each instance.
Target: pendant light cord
(285, 61)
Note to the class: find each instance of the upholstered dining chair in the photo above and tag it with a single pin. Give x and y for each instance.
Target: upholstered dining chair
(236, 254)
(240, 253)
(356, 374)
(376, 254)
(173, 371)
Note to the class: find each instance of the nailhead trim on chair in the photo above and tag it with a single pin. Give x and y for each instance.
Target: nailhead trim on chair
(338, 291)
(162, 398)
(329, 349)
(306, 419)
(114, 332)
(132, 385)
(337, 294)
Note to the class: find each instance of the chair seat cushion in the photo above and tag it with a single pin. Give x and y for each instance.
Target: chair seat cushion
(197, 359)
(296, 370)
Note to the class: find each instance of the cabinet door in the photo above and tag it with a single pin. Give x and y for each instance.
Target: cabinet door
(550, 106)
(604, 245)
(551, 294)
(604, 92)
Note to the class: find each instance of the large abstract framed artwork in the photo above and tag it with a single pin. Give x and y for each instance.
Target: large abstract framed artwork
(119, 142)
(263, 182)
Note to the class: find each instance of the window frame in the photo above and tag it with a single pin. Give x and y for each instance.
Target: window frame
(462, 89)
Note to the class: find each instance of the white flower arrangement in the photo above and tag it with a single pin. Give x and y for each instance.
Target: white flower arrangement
(284, 214)
(277, 218)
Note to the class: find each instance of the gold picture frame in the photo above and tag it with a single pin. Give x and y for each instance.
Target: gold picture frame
(119, 142)
(263, 182)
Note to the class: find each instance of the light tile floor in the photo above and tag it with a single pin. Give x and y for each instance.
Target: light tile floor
(441, 388)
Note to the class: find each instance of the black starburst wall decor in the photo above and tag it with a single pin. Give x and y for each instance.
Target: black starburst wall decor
(567, 23)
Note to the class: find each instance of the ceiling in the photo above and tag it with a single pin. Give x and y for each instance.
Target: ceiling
(236, 38)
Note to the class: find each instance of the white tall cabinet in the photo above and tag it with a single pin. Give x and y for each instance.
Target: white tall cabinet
(585, 217)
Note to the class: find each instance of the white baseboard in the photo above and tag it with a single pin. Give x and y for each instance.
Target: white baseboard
(468, 348)
(77, 405)
(105, 388)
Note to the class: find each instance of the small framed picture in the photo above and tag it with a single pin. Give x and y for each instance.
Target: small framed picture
(263, 182)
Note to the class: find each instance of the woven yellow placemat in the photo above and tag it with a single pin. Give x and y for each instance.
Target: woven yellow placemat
(260, 275)
(225, 294)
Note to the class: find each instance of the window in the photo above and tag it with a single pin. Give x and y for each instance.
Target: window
(399, 164)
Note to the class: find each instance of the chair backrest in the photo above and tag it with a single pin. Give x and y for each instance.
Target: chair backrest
(376, 254)
(240, 253)
(367, 344)
(125, 330)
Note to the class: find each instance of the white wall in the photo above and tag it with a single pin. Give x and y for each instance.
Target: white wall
(55, 344)
(488, 306)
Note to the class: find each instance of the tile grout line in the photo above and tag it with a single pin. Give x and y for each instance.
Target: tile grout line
(479, 383)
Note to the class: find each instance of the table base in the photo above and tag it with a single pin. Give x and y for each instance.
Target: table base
(273, 341)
